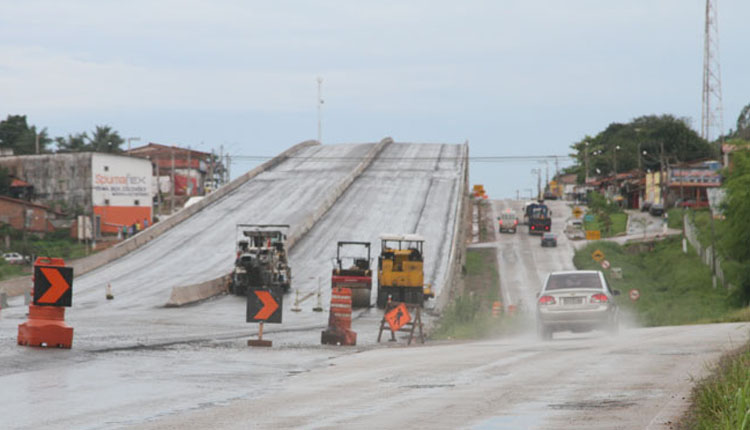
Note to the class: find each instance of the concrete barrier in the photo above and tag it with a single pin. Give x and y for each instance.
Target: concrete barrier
(457, 256)
(183, 295)
(194, 293)
(87, 264)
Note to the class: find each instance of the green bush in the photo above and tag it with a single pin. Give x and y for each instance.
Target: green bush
(675, 288)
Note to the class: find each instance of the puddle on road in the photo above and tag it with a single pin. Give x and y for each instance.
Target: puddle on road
(526, 416)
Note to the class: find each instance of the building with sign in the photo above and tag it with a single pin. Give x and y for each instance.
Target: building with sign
(114, 190)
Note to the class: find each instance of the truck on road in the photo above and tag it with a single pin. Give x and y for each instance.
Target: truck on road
(540, 218)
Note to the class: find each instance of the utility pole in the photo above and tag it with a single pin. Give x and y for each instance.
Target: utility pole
(711, 109)
(211, 172)
(171, 200)
(188, 185)
(221, 160)
(320, 107)
(132, 139)
(229, 165)
(586, 163)
(662, 176)
(37, 142)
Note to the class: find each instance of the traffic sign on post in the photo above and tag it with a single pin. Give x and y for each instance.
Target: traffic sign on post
(53, 286)
(634, 294)
(577, 212)
(605, 264)
(597, 255)
(264, 305)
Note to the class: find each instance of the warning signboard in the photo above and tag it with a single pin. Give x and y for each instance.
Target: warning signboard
(597, 255)
(605, 264)
(397, 317)
(593, 234)
(634, 294)
(577, 212)
(53, 286)
(264, 305)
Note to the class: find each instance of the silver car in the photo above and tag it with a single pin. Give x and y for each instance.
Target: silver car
(576, 301)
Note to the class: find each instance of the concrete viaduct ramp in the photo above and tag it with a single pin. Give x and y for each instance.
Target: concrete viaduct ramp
(201, 248)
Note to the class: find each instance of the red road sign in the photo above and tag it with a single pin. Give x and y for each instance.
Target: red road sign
(264, 305)
(605, 264)
(53, 286)
(397, 317)
(634, 294)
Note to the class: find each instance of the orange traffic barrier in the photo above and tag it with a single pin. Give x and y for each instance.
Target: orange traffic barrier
(340, 319)
(46, 326)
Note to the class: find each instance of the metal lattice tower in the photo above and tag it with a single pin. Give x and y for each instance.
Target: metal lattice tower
(712, 117)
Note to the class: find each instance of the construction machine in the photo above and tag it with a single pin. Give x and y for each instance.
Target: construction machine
(400, 270)
(261, 258)
(352, 270)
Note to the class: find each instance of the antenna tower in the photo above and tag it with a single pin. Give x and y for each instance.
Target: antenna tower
(712, 121)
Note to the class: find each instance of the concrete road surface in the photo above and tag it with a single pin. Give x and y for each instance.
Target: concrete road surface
(638, 380)
(134, 360)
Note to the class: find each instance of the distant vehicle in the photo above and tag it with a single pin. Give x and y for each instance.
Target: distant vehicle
(577, 301)
(540, 218)
(507, 221)
(656, 209)
(549, 195)
(549, 239)
(645, 206)
(14, 258)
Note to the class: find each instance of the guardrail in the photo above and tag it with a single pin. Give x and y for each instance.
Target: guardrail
(457, 255)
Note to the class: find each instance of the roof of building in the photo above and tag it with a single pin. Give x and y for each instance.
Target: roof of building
(27, 203)
(17, 183)
(159, 149)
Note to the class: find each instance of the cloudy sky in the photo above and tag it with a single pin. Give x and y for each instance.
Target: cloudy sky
(511, 77)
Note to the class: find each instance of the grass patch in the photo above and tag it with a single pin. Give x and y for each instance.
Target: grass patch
(674, 218)
(675, 288)
(56, 245)
(722, 402)
(619, 224)
(8, 271)
(469, 316)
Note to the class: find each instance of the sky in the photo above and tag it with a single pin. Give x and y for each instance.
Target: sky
(509, 77)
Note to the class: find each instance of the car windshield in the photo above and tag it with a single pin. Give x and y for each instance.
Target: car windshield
(573, 280)
(549, 235)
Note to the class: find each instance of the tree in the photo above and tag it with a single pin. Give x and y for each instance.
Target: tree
(16, 134)
(4, 181)
(737, 212)
(621, 145)
(743, 124)
(104, 139)
(73, 143)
